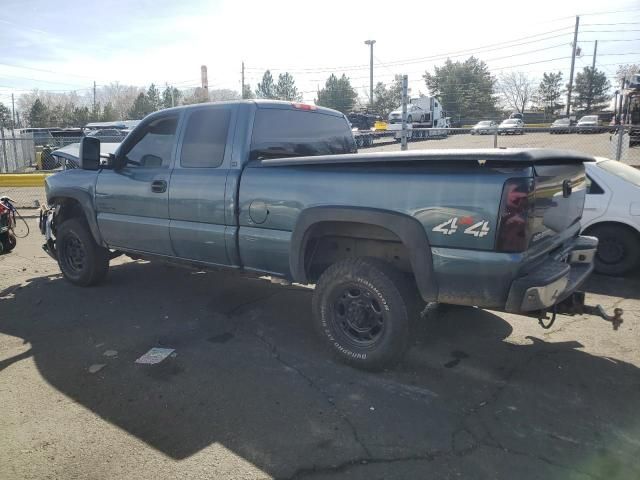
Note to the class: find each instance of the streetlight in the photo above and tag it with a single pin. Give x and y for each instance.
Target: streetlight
(370, 43)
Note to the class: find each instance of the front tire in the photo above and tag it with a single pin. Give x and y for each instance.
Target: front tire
(362, 307)
(82, 261)
(618, 250)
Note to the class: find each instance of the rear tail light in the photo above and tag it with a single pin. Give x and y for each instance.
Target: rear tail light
(516, 214)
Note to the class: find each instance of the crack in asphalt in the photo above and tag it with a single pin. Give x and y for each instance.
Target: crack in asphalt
(357, 462)
(329, 399)
(487, 441)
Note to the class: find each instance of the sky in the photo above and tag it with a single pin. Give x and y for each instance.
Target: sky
(67, 45)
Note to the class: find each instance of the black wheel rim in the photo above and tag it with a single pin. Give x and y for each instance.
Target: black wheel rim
(357, 315)
(73, 253)
(611, 251)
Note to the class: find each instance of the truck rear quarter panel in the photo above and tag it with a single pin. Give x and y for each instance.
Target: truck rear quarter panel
(272, 198)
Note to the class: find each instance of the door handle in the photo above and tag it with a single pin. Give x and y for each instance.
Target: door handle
(159, 186)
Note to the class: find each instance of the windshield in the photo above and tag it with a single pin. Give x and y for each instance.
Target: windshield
(621, 170)
(562, 121)
(511, 122)
(484, 123)
(589, 118)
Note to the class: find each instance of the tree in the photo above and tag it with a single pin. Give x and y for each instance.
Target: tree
(549, 92)
(464, 88)
(286, 88)
(109, 113)
(5, 116)
(266, 88)
(337, 94)
(517, 90)
(624, 72)
(140, 107)
(222, 94)
(591, 90)
(197, 95)
(248, 93)
(171, 97)
(81, 116)
(38, 114)
(153, 98)
(387, 99)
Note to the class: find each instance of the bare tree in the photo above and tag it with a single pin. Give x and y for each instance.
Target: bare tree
(517, 90)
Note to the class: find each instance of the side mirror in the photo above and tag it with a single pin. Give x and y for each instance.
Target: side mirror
(89, 154)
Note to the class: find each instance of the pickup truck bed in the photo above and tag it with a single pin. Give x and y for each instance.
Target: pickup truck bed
(276, 188)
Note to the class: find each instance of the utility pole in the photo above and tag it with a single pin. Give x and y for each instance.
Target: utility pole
(370, 43)
(573, 63)
(94, 97)
(593, 69)
(13, 111)
(405, 101)
(243, 80)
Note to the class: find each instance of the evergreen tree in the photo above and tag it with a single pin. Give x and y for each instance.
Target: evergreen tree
(337, 94)
(286, 88)
(464, 88)
(38, 114)
(591, 90)
(266, 88)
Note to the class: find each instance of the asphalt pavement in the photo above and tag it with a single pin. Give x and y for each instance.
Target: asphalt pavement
(251, 393)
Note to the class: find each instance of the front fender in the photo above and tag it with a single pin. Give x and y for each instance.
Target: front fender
(78, 186)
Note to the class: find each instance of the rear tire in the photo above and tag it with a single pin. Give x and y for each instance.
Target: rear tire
(363, 307)
(618, 249)
(82, 261)
(9, 242)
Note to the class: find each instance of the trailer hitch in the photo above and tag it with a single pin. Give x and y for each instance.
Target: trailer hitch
(574, 305)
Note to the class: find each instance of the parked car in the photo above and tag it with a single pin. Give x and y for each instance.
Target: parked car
(108, 134)
(562, 125)
(517, 115)
(612, 214)
(513, 126)
(484, 127)
(273, 188)
(589, 124)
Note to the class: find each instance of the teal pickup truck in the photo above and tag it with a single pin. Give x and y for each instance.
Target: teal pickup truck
(277, 188)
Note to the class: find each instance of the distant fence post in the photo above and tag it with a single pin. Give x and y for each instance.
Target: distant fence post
(4, 151)
(15, 148)
(619, 142)
(405, 101)
(495, 137)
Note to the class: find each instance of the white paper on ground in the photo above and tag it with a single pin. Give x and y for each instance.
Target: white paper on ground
(155, 355)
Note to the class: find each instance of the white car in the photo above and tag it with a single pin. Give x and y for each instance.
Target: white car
(414, 114)
(612, 213)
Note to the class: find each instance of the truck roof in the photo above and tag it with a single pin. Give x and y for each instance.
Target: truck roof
(508, 155)
(260, 103)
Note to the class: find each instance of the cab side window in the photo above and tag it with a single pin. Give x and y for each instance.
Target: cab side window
(155, 145)
(205, 138)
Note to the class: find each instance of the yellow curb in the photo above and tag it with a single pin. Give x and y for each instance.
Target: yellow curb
(23, 179)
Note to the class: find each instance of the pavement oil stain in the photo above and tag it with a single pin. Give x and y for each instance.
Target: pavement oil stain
(222, 338)
(457, 355)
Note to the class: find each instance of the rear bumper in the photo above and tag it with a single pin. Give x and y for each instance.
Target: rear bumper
(554, 280)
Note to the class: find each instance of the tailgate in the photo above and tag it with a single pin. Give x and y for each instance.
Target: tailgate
(559, 198)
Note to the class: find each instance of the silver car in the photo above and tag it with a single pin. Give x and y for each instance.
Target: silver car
(513, 126)
(484, 127)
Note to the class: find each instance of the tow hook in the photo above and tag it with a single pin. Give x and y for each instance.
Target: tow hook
(574, 305)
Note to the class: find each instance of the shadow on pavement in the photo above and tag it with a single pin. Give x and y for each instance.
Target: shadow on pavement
(627, 286)
(251, 374)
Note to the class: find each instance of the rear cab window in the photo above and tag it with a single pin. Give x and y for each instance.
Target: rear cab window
(290, 132)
